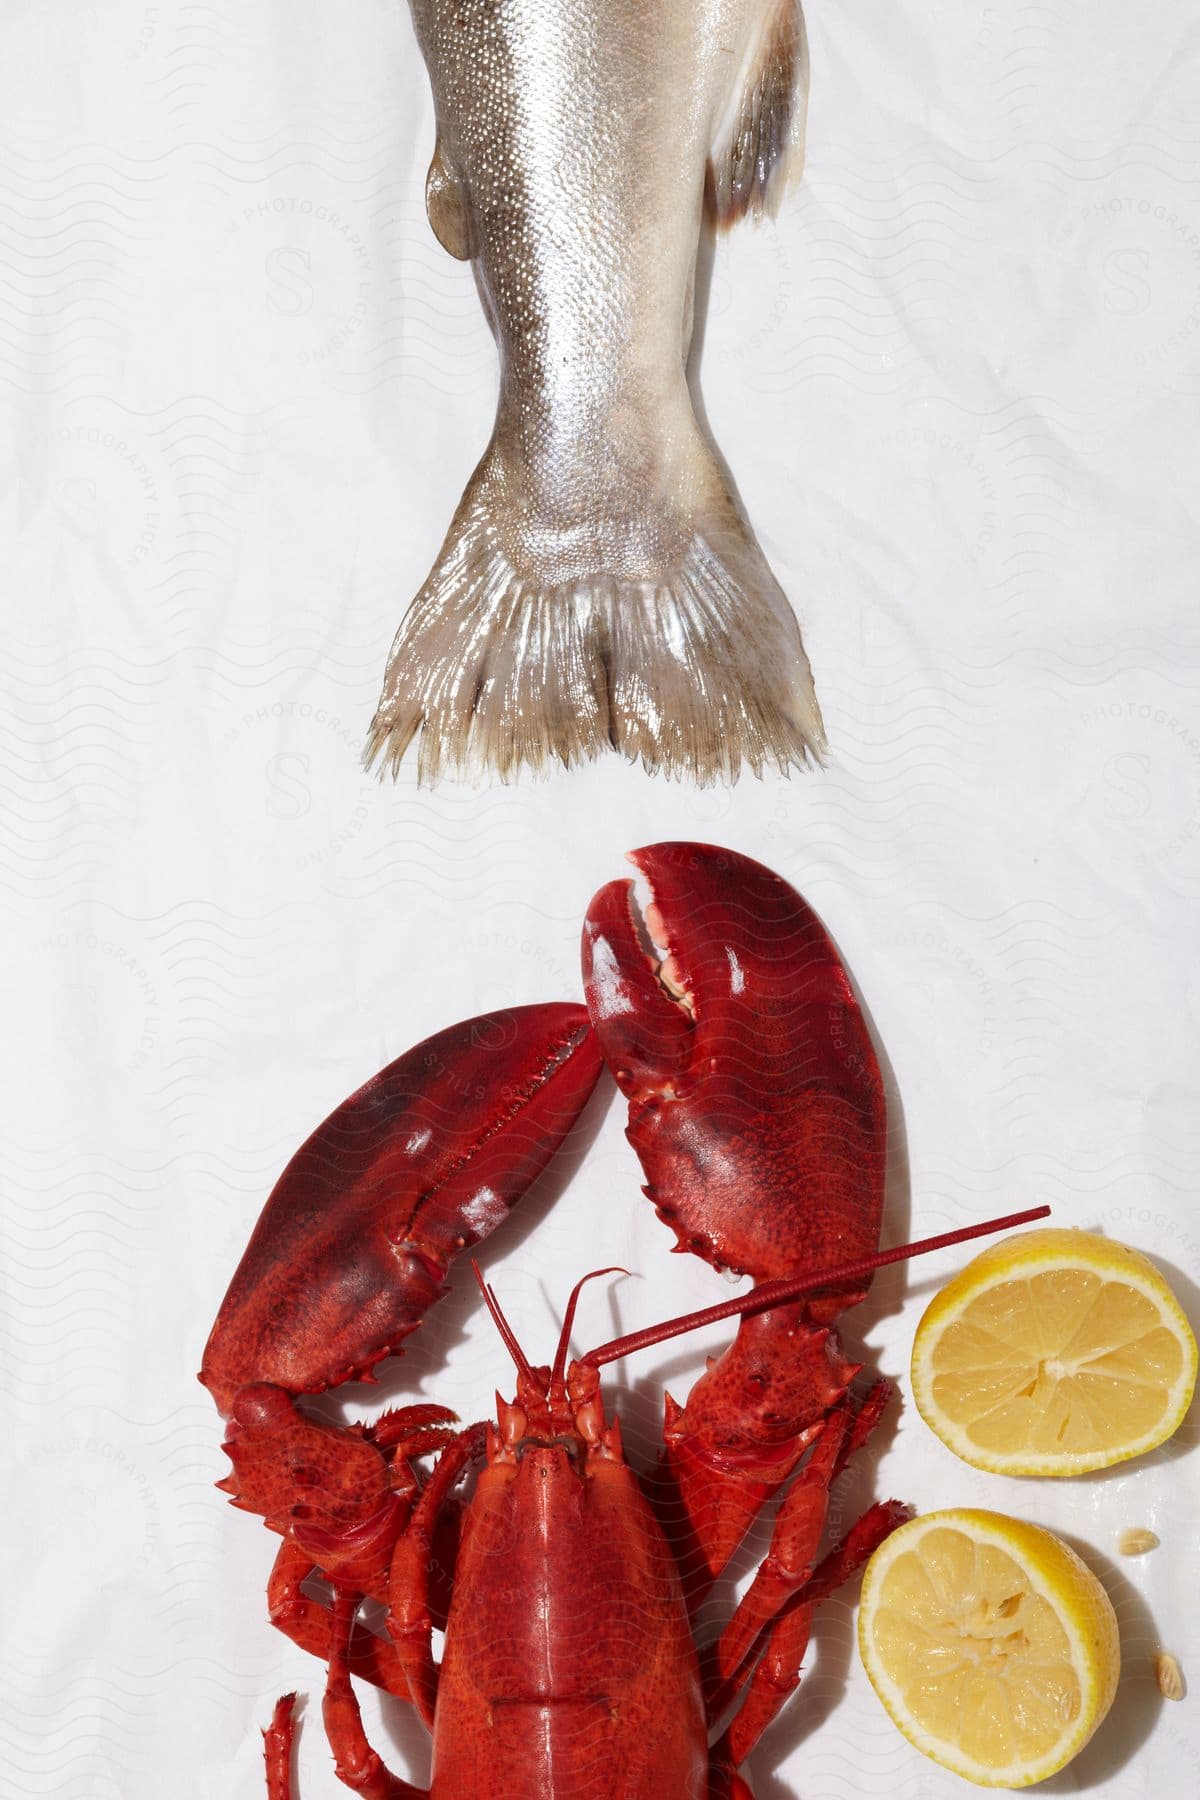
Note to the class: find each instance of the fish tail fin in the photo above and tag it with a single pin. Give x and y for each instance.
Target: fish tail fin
(694, 671)
(759, 142)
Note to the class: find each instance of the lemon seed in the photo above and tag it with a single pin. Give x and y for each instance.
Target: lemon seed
(1169, 1676)
(1136, 1541)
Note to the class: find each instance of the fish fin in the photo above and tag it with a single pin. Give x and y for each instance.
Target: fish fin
(693, 673)
(760, 140)
(448, 205)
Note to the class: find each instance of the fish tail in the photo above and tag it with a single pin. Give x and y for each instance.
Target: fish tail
(694, 672)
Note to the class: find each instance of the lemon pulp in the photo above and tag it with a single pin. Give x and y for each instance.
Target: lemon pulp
(1052, 1353)
(991, 1643)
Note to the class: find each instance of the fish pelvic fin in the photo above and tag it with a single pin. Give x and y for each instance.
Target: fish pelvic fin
(448, 206)
(694, 673)
(759, 145)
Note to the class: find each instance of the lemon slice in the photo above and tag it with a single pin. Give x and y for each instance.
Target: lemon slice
(991, 1644)
(1052, 1353)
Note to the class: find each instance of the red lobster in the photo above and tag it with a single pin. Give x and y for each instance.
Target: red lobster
(569, 1670)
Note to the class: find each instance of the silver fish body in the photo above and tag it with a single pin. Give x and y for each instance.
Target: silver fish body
(599, 584)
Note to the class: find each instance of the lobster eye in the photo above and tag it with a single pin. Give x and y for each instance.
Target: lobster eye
(567, 1442)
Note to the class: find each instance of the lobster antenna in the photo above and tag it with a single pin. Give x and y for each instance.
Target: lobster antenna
(560, 1355)
(777, 1293)
(501, 1323)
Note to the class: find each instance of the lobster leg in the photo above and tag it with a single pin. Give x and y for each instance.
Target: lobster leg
(410, 1624)
(277, 1748)
(777, 1674)
(775, 1680)
(402, 1434)
(725, 1783)
(788, 1564)
(787, 1570)
(309, 1623)
(355, 1763)
(405, 1668)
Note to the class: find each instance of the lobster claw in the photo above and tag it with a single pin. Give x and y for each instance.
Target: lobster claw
(756, 1102)
(757, 1111)
(355, 1240)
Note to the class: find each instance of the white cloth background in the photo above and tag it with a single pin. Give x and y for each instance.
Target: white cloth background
(241, 389)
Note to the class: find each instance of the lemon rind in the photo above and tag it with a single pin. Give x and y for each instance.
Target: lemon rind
(1096, 1689)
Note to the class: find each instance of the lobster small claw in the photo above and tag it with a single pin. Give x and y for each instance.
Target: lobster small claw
(756, 1102)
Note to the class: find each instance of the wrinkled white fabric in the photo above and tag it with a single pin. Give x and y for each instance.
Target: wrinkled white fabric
(241, 388)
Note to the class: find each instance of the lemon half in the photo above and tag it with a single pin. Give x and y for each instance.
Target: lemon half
(1052, 1353)
(991, 1644)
